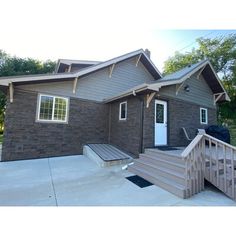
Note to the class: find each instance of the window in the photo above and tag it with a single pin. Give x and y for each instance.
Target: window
(123, 111)
(203, 116)
(52, 108)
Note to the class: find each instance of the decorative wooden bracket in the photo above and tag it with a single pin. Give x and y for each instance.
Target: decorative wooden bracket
(149, 98)
(139, 57)
(11, 88)
(178, 87)
(111, 70)
(75, 84)
(217, 97)
(198, 75)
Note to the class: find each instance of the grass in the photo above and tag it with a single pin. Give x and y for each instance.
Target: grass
(232, 130)
(1, 137)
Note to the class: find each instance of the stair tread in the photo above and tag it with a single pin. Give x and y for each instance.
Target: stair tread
(163, 153)
(162, 160)
(163, 169)
(160, 178)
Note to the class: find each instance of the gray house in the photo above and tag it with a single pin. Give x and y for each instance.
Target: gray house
(124, 101)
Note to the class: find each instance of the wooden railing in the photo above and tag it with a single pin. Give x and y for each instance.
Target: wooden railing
(194, 165)
(212, 159)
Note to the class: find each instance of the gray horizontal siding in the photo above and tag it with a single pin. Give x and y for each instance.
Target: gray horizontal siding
(200, 93)
(98, 86)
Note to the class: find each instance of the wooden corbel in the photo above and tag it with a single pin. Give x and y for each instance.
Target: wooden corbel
(75, 84)
(11, 90)
(149, 98)
(111, 68)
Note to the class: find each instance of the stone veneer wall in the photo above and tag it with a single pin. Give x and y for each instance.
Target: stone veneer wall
(25, 139)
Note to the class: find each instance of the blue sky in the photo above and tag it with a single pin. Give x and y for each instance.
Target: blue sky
(181, 40)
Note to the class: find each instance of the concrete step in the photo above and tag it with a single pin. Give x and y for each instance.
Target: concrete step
(160, 181)
(156, 170)
(165, 156)
(170, 165)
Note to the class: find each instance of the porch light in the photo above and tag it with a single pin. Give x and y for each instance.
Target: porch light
(186, 88)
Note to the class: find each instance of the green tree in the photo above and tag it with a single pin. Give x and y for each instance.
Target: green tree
(221, 52)
(10, 66)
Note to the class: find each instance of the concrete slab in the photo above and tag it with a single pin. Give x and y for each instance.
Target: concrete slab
(78, 181)
(26, 183)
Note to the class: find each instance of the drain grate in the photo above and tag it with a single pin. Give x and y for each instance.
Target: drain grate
(139, 181)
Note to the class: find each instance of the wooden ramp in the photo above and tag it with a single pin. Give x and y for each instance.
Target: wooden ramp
(109, 153)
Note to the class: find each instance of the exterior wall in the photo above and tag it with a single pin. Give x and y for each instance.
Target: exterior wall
(180, 114)
(98, 86)
(126, 134)
(25, 139)
(200, 93)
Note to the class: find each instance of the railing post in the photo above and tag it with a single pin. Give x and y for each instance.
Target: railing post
(210, 156)
(225, 176)
(232, 167)
(204, 159)
(217, 166)
(187, 185)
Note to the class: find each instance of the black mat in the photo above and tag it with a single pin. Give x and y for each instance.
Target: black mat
(166, 148)
(139, 181)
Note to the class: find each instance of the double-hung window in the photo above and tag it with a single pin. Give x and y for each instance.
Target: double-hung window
(123, 111)
(52, 108)
(203, 116)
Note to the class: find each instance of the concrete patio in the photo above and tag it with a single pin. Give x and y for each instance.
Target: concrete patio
(77, 181)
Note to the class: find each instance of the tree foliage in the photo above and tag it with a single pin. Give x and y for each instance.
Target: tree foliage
(221, 51)
(10, 66)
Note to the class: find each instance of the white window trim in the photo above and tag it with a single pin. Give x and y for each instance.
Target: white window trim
(201, 109)
(54, 98)
(125, 111)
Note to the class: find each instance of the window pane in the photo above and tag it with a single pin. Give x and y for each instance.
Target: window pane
(46, 107)
(60, 109)
(203, 116)
(123, 111)
(159, 113)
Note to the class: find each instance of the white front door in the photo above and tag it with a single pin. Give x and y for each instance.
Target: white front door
(160, 123)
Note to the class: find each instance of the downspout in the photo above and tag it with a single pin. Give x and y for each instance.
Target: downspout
(109, 125)
(141, 99)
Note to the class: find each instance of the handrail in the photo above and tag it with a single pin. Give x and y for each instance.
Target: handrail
(197, 139)
(219, 141)
(191, 146)
(196, 158)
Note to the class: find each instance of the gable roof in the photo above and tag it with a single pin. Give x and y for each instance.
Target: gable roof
(5, 81)
(204, 67)
(69, 62)
(185, 72)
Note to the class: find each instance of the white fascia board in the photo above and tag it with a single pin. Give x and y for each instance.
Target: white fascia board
(150, 61)
(227, 98)
(70, 61)
(5, 81)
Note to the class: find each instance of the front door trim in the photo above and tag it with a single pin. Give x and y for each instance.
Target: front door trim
(160, 126)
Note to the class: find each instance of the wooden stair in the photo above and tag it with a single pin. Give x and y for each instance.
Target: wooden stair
(162, 169)
(183, 175)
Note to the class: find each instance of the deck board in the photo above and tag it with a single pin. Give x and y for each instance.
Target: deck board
(108, 152)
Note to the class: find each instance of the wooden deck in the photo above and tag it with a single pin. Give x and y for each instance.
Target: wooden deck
(108, 152)
(182, 171)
